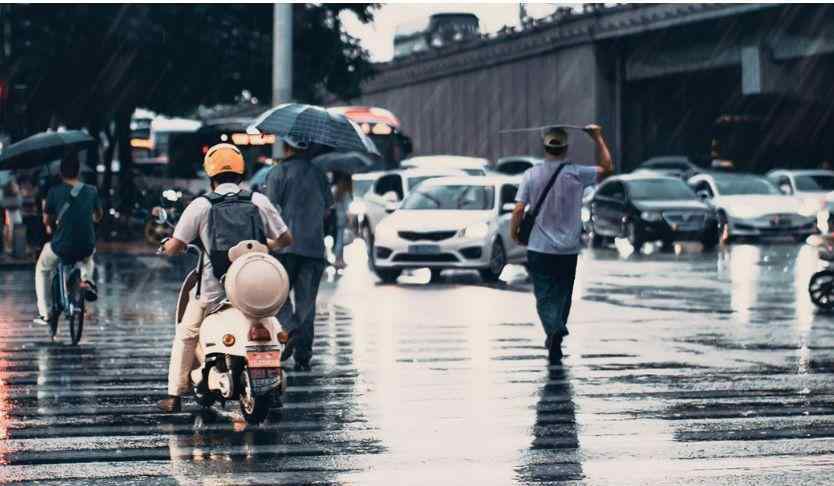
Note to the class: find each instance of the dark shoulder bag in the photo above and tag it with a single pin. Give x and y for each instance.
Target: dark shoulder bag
(529, 218)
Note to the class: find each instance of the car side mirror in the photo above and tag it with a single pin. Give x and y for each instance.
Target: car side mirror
(507, 208)
(392, 201)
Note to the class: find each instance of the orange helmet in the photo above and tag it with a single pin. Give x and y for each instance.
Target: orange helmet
(223, 157)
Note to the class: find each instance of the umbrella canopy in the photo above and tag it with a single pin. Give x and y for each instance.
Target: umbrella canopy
(308, 124)
(347, 162)
(42, 148)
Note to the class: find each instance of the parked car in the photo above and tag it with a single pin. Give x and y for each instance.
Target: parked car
(386, 193)
(751, 206)
(471, 165)
(516, 164)
(815, 188)
(650, 208)
(670, 165)
(451, 222)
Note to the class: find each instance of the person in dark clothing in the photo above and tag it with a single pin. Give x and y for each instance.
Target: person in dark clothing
(301, 193)
(70, 210)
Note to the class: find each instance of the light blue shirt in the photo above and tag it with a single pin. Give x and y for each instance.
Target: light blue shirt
(558, 228)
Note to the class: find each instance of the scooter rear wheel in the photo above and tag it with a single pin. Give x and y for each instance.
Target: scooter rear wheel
(254, 408)
(821, 289)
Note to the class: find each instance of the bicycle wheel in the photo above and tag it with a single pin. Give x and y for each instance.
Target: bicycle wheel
(76, 317)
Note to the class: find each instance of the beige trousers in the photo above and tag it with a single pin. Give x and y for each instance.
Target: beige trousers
(47, 263)
(184, 348)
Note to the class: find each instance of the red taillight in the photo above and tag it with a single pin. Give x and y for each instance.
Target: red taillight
(258, 333)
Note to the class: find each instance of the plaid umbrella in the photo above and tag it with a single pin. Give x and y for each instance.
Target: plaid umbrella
(308, 124)
(42, 148)
(347, 162)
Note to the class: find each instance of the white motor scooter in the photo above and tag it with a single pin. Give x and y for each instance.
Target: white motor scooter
(240, 341)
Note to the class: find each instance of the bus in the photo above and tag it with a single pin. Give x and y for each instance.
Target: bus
(383, 127)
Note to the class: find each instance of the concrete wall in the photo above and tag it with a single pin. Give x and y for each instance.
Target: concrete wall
(463, 113)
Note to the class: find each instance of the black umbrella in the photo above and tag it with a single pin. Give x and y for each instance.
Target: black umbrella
(308, 124)
(42, 148)
(347, 162)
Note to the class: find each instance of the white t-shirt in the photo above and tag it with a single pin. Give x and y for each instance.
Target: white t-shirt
(558, 228)
(194, 223)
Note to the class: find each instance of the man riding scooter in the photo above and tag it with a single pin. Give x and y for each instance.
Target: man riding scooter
(224, 165)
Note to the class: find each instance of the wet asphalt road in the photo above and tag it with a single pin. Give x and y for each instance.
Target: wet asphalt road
(681, 369)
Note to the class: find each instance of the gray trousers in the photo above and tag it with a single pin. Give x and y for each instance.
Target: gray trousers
(298, 314)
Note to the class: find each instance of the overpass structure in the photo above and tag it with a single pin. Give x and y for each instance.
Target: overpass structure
(749, 82)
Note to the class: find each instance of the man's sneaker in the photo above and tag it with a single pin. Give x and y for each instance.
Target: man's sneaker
(172, 404)
(90, 291)
(554, 351)
(302, 365)
(41, 320)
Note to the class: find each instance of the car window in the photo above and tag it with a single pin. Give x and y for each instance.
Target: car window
(452, 197)
(744, 185)
(388, 183)
(613, 189)
(814, 183)
(514, 167)
(659, 190)
(704, 187)
(414, 181)
(508, 193)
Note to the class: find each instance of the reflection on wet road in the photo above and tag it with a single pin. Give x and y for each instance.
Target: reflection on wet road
(681, 369)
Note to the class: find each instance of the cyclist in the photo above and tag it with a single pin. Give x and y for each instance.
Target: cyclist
(224, 165)
(69, 212)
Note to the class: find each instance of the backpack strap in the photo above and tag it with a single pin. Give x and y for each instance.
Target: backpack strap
(76, 190)
(535, 210)
(244, 195)
(214, 198)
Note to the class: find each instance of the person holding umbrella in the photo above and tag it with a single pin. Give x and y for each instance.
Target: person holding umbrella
(302, 193)
(299, 188)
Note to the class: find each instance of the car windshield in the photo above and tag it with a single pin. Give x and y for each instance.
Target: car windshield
(659, 189)
(814, 183)
(360, 187)
(413, 181)
(451, 197)
(667, 165)
(744, 186)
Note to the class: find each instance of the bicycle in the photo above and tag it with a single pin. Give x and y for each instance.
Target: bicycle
(67, 299)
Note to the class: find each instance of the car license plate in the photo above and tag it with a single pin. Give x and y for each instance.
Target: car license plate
(424, 249)
(263, 359)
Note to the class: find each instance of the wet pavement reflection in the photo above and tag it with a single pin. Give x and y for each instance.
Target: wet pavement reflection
(681, 368)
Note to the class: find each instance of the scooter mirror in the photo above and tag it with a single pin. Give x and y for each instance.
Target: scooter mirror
(161, 215)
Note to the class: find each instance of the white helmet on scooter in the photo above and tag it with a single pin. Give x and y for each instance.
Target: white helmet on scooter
(256, 283)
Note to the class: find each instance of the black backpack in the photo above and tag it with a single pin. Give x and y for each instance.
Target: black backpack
(233, 218)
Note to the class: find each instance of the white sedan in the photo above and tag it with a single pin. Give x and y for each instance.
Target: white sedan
(475, 166)
(451, 222)
(749, 205)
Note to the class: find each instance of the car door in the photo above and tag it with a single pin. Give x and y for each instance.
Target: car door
(608, 208)
(506, 201)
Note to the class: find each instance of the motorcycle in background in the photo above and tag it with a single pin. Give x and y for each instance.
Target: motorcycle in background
(155, 231)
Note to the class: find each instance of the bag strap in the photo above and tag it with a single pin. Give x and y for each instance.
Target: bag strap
(535, 211)
(76, 190)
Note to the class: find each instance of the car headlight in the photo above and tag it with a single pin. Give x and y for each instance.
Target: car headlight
(651, 216)
(475, 232)
(385, 232)
(586, 215)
